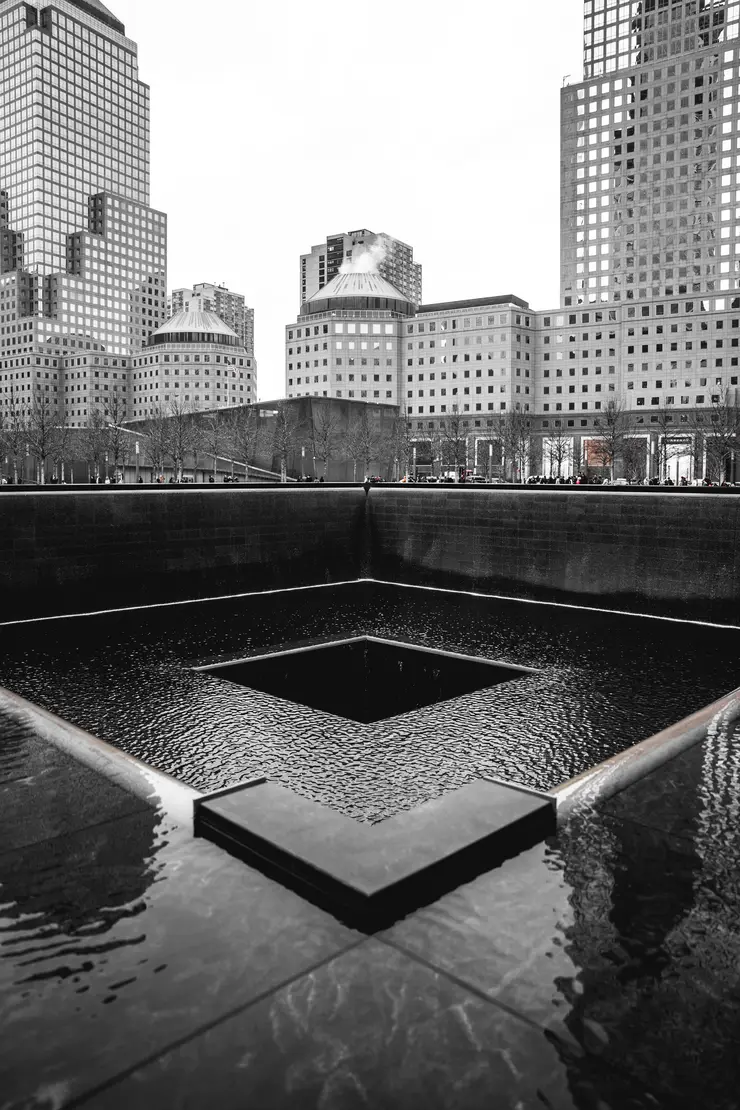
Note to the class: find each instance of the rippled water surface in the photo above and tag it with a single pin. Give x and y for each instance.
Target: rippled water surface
(604, 682)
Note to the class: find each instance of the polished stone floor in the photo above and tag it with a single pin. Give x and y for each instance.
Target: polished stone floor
(142, 968)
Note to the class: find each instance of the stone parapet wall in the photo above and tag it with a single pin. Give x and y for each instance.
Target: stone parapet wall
(69, 551)
(664, 554)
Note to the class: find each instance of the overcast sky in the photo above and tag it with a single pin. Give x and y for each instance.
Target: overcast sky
(277, 124)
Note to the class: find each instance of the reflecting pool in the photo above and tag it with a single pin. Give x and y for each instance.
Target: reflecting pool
(601, 683)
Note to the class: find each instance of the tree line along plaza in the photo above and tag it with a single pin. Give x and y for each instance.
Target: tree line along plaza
(635, 373)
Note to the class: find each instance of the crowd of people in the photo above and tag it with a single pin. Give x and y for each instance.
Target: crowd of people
(601, 480)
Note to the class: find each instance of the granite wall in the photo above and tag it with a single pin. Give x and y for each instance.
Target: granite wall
(664, 553)
(68, 551)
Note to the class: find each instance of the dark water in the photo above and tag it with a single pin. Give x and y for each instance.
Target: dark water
(366, 680)
(604, 682)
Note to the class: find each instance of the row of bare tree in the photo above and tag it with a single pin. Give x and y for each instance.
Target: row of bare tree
(710, 437)
(177, 437)
(32, 431)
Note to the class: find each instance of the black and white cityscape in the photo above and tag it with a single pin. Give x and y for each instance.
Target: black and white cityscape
(369, 683)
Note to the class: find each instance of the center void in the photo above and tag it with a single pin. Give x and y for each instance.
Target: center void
(366, 679)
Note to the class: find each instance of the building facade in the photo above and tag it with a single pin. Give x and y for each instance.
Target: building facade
(193, 362)
(395, 262)
(650, 230)
(230, 307)
(83, 258)
(346, 342)
(649, 320)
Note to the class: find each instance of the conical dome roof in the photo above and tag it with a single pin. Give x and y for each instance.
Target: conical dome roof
(194, 326)
(358, 285)
(361, 291)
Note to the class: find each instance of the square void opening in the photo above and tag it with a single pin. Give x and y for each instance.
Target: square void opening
(366, 679)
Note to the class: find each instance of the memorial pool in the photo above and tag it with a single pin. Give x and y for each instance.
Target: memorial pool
(601, 683)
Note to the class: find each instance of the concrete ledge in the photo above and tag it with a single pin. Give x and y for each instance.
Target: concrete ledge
(373, 874)
(161, 791)
(614, 775)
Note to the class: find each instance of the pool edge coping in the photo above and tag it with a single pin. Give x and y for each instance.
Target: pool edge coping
(156, 788)
(589, 788)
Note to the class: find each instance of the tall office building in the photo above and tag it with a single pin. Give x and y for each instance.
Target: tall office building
(230, 307)
(83, 256)
(395, 262)
(651, 155)
(650, 232)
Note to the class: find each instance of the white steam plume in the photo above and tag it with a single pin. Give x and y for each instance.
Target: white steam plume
(368, 260)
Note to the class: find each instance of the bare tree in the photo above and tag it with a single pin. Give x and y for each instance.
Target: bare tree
(634, 458)
(14, 432)
(183, 434)
(326, 428)
(64, 451)
(454, 442)
(213, 434)
(612, 428)
(94, 442)
(490, 455)
(44, 431)
(719, 431)
(518, 443)
(157, 444)
(401, 446)
(288, 434)
(663, 422)
(363, 442)
(246, 435)
(436, 447)
(557, 450)
(118, 439)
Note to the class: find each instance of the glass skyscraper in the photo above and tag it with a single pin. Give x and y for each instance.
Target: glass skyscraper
(83, 261)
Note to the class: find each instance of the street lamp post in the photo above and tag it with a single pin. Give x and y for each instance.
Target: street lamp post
(137, 461)
(490, 462)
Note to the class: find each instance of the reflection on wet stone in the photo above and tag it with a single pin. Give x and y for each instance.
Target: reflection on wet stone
(598, 970)
(118, 939)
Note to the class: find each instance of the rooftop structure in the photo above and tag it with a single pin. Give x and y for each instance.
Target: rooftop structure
(346, 342)
(394, 260)
(231, 307)
(193, 362)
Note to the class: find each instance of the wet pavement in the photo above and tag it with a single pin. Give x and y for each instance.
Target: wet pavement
(139, 967)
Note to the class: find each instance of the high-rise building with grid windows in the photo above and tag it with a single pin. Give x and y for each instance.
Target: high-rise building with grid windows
(83, 258)
(650, 190)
